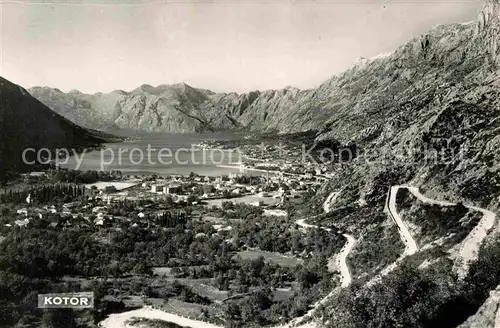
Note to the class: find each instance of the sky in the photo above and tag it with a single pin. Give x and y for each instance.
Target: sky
(226, 46)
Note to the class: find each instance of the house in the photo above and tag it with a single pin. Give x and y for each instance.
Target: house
(70, 206)
(102, 220)
(22, 211)
(157, 188)
(99, 209)
(234, 175)
(99, 222)
(22, 223)
(37, 174)
(172, 189)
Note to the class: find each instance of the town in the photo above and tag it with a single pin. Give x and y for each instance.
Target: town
(183, 244)
(93, 201)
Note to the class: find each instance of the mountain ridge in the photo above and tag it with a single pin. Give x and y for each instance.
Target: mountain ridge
(182, 108)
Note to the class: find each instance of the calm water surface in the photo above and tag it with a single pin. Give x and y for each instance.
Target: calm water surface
(177, 152)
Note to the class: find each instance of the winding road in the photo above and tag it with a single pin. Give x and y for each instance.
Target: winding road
(119, 320)
(410, 244)
(341, 258)
(340, 261)
(470, 245)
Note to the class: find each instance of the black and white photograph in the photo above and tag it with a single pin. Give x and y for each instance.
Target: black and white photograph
(233, 164)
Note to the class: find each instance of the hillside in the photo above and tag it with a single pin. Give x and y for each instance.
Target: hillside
(487, 315)
(425, 115)
(438, 95)
(27, 123)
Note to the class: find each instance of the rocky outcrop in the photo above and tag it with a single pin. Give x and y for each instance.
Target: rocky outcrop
(488, 315)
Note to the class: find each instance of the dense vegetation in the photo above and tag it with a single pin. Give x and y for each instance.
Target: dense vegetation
(433, 221)
(413, 297)
(41, 256)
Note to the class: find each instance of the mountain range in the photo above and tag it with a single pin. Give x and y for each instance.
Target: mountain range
(440, 90)
(422, 78)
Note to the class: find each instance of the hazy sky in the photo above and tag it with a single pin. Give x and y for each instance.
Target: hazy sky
(219, 45)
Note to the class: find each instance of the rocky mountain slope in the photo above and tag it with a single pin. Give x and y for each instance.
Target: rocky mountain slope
(426, 115)
(487, 316)
(432, 106)
(27, 123)
(181, 108)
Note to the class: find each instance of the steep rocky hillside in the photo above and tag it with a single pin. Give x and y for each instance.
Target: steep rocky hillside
(27, 123)
(438, 94)
(487, 316)
(425, 115)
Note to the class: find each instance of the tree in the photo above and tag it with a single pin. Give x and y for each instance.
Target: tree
(58, 318)
(141, 268)
(208, 188)
(307, 278)
(232, 314)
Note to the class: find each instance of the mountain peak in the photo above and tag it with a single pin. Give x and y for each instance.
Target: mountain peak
(145, 88)
(490, 15)
(181, 85)
(120, 92)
